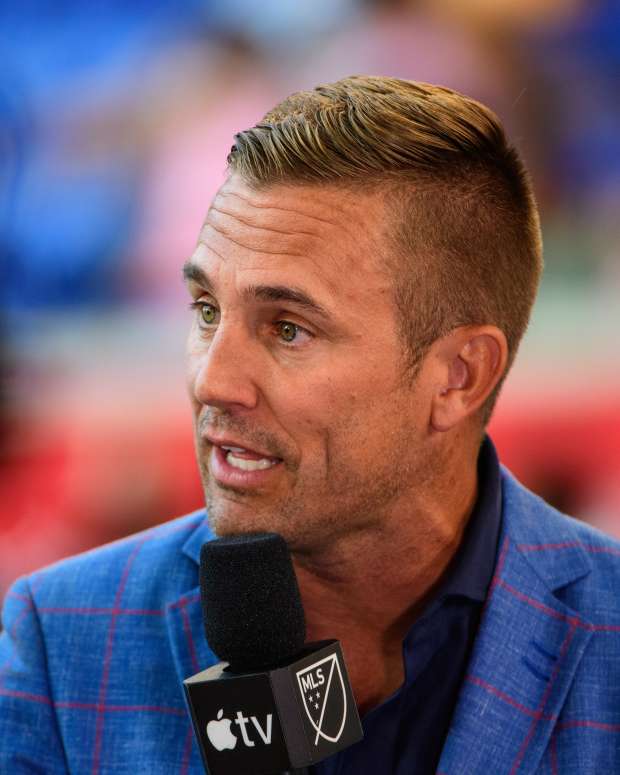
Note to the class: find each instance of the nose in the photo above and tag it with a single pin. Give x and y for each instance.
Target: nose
(221, 371)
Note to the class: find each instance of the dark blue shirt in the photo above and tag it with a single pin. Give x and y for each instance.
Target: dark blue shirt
(405, 734)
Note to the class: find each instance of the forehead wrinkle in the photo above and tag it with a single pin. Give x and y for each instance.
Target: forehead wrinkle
(358, 214)
(202, 243)
(356, 243)
(225, 193)
(251, 248)
(251, 225)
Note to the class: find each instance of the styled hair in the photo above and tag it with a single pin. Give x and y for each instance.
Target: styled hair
(463, 219)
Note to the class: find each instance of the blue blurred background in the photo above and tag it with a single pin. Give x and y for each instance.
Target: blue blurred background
(115, 122)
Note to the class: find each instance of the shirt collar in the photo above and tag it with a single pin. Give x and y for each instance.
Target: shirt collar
(471, 570)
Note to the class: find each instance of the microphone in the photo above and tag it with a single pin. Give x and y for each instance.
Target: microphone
(273, 704)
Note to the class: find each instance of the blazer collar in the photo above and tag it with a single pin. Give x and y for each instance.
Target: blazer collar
(200, 535)
(183, 615)
(528, 648)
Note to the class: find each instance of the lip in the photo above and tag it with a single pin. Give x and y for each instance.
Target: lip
(229, 476)
(228, 442)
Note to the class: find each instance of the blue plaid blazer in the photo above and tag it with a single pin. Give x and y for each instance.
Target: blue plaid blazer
(95, 649)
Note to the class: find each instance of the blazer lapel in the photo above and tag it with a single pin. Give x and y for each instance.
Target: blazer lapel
(528, 648)
(183, 615)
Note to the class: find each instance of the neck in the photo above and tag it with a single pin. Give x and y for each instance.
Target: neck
(367, 588)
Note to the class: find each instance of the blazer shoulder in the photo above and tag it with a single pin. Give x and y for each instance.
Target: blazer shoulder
(145, 565)
(563, 549)
(530, 517)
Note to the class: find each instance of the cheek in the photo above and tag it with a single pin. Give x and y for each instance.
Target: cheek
(375, 424)
(334, 417)
(309, 410)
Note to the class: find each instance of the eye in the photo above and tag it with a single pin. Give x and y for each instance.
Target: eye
(208, 313)
(291, 332)
(288, 331)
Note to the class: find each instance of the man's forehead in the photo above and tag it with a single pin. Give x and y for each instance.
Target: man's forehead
(330, 211)
(243, 273)
(292, 221)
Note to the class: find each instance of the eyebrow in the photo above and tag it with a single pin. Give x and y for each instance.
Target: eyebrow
(266, 293)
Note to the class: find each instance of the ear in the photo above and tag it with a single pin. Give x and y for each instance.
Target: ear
(468, 363)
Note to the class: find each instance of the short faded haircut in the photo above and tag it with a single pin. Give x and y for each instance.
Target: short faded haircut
(464, 222)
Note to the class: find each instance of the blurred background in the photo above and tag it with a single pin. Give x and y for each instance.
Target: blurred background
(115, 122)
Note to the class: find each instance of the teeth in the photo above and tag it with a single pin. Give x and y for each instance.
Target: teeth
(249, 465)
(234, 449)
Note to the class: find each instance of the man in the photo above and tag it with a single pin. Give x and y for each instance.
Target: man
(360, 287)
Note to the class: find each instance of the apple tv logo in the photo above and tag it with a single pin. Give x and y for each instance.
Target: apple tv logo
(248, 741)
(219, 733)
(221, 737)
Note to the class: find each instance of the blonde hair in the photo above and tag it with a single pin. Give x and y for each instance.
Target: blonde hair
(465, 227)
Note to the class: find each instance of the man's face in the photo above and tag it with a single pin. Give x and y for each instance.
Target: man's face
(304, 423)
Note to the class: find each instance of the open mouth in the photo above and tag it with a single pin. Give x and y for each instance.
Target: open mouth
(246, 459)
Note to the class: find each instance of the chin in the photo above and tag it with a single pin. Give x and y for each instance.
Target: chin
(241, 520)
(227, 518)
(304, 531)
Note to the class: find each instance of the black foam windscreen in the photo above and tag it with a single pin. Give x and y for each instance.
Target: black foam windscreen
(251, 604)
